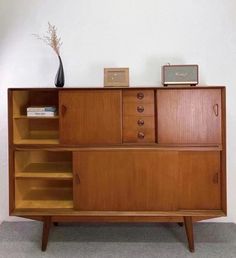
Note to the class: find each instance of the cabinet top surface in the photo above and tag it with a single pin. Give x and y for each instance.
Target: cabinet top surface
(117, 88)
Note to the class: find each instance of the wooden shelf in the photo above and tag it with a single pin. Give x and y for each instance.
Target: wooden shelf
(39, 137)
(46, 198)
(34, 117)
(37, 141)
(44, 204)
(152, 214)
(36, 131)
(54, 176)
(47, 170)
(51, 167)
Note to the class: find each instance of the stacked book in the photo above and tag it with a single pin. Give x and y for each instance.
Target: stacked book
(41, 111)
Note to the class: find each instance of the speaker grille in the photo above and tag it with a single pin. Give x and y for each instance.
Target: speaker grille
(182, 74)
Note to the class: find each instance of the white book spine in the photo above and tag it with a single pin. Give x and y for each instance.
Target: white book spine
(45, 113)
(41, 109)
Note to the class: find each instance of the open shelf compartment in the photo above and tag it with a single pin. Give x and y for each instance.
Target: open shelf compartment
(43, 194)
(56, 165)
(34, 130)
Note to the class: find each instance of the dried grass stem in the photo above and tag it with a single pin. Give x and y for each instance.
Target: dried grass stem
(51, 39)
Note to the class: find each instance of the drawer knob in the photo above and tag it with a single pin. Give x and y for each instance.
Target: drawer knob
(140, 122)
(140, 95)
(140, 109)
(141, 135)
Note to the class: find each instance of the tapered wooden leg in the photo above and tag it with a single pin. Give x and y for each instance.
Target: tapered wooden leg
(188, 223)
(46, 229)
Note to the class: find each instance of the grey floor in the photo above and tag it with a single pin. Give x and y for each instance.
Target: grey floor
(22, 239)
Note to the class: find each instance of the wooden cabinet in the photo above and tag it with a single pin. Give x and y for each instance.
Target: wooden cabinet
(90, 117)
(125, 180)
(138, 116)
(200, 180)
(139, 180)
(148, 154)
(43, 179)
(188, 116)
(28, 130)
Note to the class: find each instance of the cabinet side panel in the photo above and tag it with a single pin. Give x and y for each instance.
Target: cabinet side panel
(11, 154)
(11, 181)
(223, 154)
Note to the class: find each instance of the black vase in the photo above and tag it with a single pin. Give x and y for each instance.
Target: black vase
(60, 78)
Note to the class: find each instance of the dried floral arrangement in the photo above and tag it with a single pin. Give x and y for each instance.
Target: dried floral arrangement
(51, 39)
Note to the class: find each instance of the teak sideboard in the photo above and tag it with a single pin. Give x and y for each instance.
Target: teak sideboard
(139, 154)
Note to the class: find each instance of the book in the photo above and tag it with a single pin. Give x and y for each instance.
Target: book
(41, 113)
(41, 109)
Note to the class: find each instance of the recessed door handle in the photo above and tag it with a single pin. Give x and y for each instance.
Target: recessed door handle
(63, 110)
(216, 109)
(216, 178)
(77, 178)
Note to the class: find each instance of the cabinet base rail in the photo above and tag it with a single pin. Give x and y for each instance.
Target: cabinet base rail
(188, 223)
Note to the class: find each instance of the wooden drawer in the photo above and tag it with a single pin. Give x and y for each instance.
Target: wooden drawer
(138, 96)
(137, 109)
(138, 122)
(139, 129)
(132, 136)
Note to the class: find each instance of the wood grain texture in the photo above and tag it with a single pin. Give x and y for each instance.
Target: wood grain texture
(176, 173)
(131, 109)
(124, 146)
(55, 165)
(46, 228)
(132, 125)
(35, 131)
(188, 223)
(138, 96)
(70, 212)
(189, 116)
(113, 219)
(43, 194)
(43, 97)
(11, 180)
(43, 164)
(138, 116)
(26, 130)
(223, 155)
(100, 87)
(36, 117)
(20, 101)
(198, 154)
(11, 154)
(96, 117)
(125, 181)
(199, 180)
